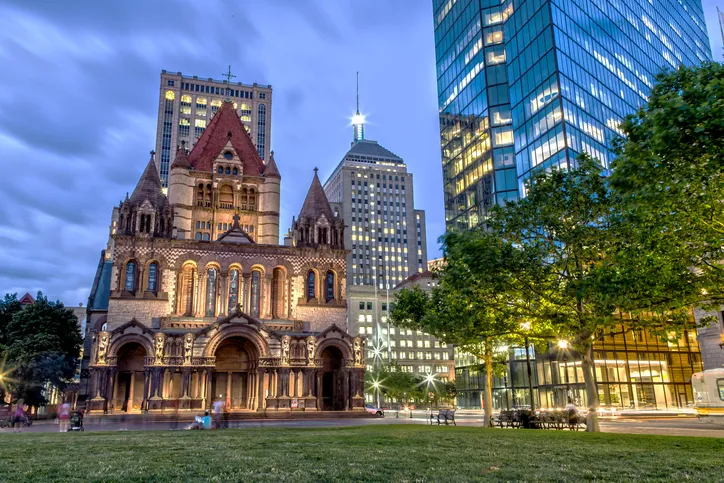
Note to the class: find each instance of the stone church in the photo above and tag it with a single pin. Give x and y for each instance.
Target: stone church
(195, 300)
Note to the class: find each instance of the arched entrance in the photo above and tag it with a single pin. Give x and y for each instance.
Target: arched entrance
(332, 380)
(129, 383)
(236, 357)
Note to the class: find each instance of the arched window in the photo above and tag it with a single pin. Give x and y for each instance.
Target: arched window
(233, 289)
(220, 170)
(244, 199)
(130, 285)
(153, 277)
(210, 292)
(228, 170)
(162, 227)
(235, 171)
(198, 235)
(226, 197)
(255, 292)
(252, 200)
(186, 291)
(207, 236)
(329, 286)
(277, 293)
(311, 285)
(200, 195)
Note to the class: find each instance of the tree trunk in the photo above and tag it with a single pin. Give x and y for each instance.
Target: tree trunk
(488, 388)
(591, 392)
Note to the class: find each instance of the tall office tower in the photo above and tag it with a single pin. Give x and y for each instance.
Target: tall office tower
(385, 234)
(530, 84)
(186, 105)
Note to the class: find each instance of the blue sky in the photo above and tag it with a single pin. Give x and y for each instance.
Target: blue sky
(79, 97)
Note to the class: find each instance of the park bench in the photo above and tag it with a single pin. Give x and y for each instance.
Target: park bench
(443, 416)
(508, 419)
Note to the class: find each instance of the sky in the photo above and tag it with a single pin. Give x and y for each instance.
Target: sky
(79, 88)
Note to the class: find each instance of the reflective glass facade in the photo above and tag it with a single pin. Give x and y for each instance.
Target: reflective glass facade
(530, 84)
(634, 370)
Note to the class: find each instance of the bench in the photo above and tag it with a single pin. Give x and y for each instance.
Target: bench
(507, 419)
(443, 416)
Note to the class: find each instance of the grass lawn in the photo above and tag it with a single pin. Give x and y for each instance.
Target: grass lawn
(369, 453)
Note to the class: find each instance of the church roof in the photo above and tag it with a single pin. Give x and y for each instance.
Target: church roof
(235, 234)
(366, 147)
(271, 170)
(316, 202)
(224, 127)
(26, 299)
(149, 187)
(181, 160)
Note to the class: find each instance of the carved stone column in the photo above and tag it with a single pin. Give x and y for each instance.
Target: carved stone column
(266, 300)
(224, 294)
(260, 388)
(272, 397)
(246, 292)
(347, 402)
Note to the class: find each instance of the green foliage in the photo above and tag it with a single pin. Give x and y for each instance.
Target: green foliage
(8, 307)
(670, 176)
(43, 345)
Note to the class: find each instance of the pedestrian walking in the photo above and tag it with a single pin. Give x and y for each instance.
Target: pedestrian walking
(63, 417)
(218, 409)
(19, 416)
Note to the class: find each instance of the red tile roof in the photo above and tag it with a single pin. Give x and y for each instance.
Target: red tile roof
(225, 126)
(181, 160)
(149, 187)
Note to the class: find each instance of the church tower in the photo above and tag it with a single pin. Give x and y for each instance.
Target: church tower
(317, 225)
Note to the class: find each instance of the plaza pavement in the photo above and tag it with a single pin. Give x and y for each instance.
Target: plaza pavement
(664, 426)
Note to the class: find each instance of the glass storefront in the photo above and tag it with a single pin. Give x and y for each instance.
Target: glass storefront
(633, 369)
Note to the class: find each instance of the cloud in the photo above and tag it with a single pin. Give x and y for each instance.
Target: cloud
(79, 106)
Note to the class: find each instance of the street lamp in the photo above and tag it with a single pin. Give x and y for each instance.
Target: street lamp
(376, 385)
(525, 326)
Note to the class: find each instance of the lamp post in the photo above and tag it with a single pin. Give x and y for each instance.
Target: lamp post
(526, 327)
(376, 385)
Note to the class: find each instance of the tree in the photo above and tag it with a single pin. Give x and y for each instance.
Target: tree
(669, 173)
(469, 306)
(43, 345)
(8, 307)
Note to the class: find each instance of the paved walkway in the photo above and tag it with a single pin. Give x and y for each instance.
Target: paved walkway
(669, 426)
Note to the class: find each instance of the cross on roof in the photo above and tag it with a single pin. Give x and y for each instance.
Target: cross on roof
(236, 219)
(228, 76)
(315, 170)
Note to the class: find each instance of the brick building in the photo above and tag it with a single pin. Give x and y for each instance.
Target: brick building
(195, 300)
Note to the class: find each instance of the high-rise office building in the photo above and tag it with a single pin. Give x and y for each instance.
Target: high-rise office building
(530, 84)
(186, 105)
(385, 234)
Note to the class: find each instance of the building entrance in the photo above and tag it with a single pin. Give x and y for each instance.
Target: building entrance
(332, 380)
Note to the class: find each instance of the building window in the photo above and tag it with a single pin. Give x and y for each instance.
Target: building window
(261, 129)
(255, 292)
(210, 292)
(329, 286)
(152, 277)
(233, 289)
(130, 285)
(311, 284)
(362, 306)
(170, 83)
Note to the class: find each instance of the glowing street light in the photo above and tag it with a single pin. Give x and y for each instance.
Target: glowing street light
(563, 344)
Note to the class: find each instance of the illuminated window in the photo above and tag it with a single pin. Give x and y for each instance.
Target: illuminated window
(170, 95)
(255, 292)
(130, 284)
(233, 289)
(211, 292)
(152, 277)
(311, 284)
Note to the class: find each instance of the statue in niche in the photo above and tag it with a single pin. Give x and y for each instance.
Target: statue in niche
(102, 347)
(188, 347)
(311, 346)
(160, 341)
(285, 350)
(358, 348)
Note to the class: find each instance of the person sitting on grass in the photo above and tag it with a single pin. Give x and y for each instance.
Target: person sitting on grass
(201, 423)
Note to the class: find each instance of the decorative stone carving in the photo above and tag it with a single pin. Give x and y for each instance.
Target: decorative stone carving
(103, 338)
(285, 350)
(188, 348)
(358, 351)
(160, 341)
(311, 347)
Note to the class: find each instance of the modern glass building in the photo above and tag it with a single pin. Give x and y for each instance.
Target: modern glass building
(633, 370)
(530, 84)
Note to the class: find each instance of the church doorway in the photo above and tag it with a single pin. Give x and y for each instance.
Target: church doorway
(129, 384)
(332, 380)
(231, 377)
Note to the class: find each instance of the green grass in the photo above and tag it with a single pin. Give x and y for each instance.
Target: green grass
(371, 453)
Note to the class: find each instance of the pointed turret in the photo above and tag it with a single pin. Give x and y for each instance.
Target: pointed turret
(316, 202)
(149, 187)
(181, 160)
(147, 211)
(316, 224)
(271, 170)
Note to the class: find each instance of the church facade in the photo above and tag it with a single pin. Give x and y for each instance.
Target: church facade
(202, 303)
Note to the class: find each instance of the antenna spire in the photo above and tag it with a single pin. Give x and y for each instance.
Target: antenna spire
(358, 120)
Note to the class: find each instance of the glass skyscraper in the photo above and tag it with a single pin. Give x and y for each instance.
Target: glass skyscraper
(530, 84)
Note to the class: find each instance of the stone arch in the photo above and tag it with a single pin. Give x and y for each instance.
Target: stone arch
(278, 302)
(144, 284)
(339, 344)
(124, 274)
(119, 341)
(230, 330)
